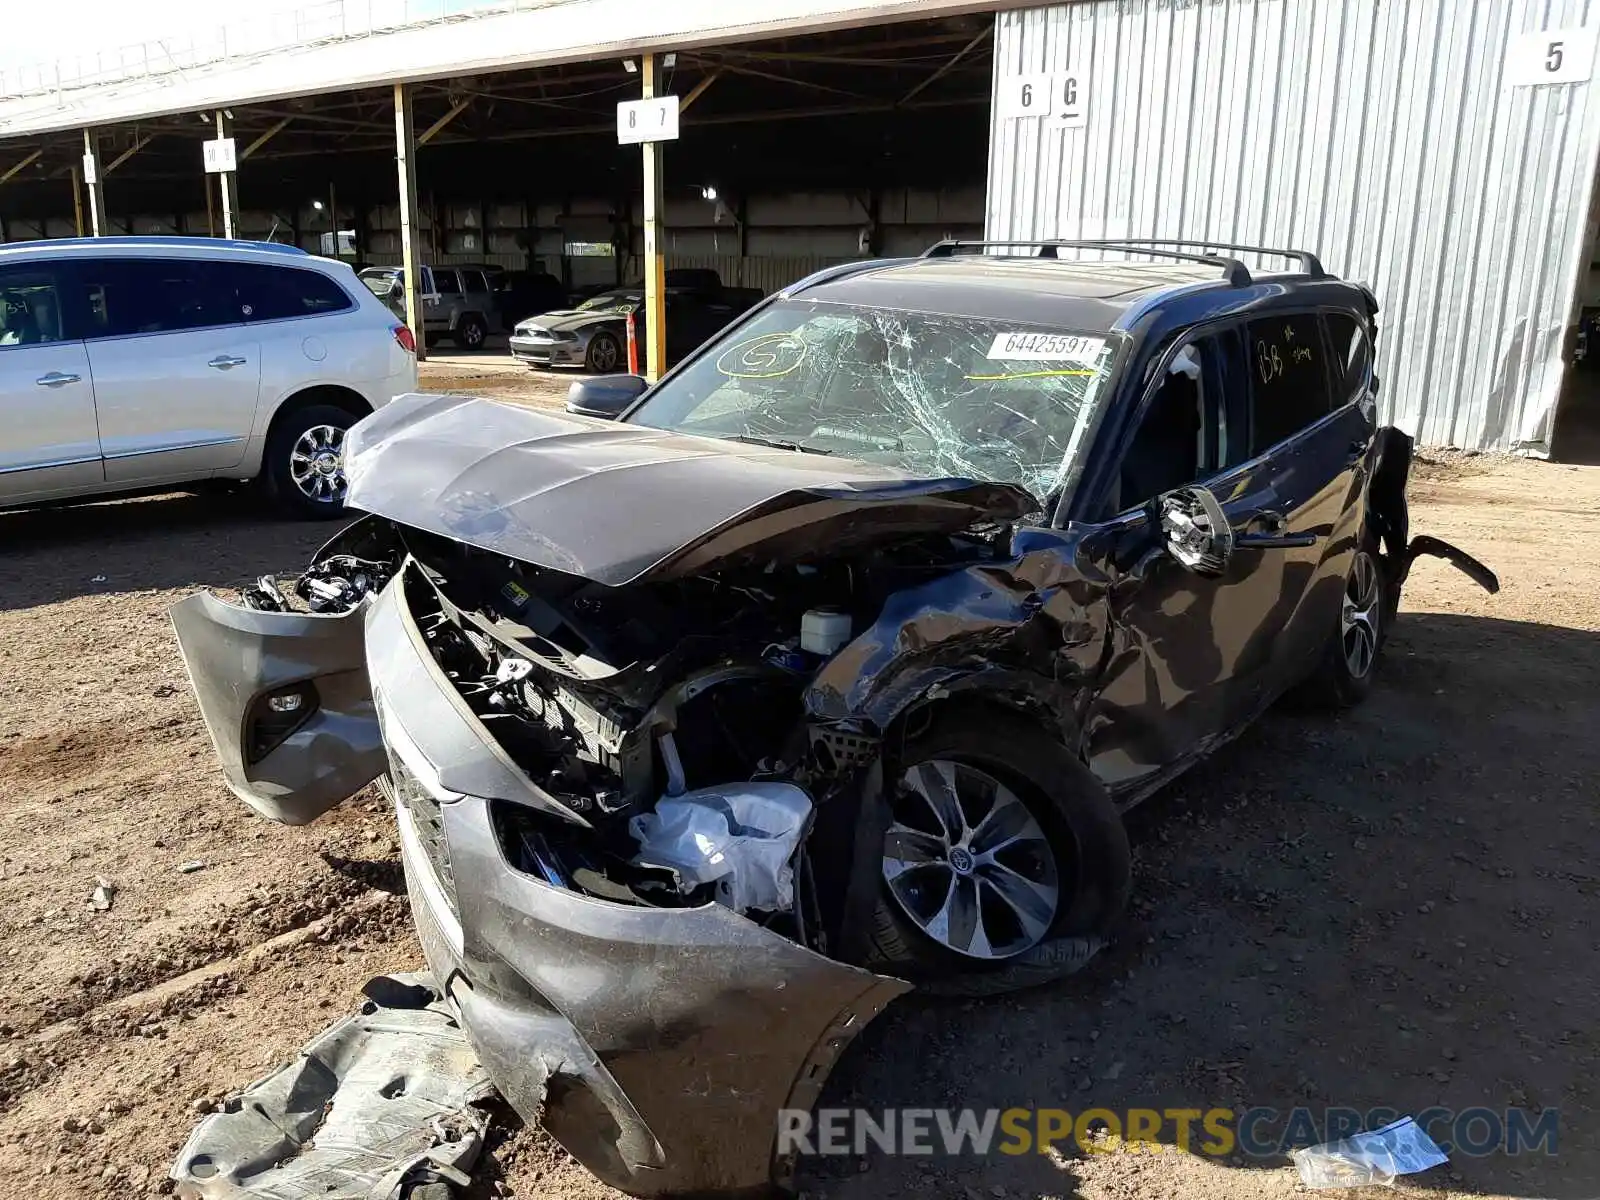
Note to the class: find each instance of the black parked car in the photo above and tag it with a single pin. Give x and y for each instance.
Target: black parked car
(931, 567)
(523, 294)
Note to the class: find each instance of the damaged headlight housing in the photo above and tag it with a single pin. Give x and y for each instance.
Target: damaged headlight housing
(275, 715)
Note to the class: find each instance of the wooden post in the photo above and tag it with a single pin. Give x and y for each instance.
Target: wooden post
(655, 271)
(405, 136)
(77, 199)
(228, 183)
(95, 183)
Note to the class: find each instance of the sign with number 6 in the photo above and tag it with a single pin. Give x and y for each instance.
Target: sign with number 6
(1550, 56)
(1060, 97)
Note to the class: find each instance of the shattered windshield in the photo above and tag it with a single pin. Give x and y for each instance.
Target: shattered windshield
(934, 395)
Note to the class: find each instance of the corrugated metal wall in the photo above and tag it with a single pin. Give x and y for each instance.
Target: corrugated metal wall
(1377, 132)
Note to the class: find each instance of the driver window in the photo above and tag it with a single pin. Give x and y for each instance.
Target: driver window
(1177, 437)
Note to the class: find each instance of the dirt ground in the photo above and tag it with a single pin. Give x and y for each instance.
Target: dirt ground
(1396, 907)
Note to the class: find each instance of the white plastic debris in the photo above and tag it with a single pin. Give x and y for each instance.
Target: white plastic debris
(1377, 1156)
(740, 836)
(104, 892)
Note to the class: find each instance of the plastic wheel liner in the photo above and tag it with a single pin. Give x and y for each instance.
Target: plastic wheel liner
(658, 1045)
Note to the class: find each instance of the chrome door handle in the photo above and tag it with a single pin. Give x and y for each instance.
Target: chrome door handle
(225, 362)
(56, 379)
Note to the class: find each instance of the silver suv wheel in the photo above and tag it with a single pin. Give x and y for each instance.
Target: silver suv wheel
(968, 863)
(316, 464)
(1358, 620)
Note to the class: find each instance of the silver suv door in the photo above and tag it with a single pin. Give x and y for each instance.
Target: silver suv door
(49, 444)
(177, 374)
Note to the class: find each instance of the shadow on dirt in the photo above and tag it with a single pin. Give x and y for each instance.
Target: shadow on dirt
(221, 539)
(380, 874)
(1389, 908)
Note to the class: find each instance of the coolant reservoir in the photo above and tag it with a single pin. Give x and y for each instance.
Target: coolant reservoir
(824, 631)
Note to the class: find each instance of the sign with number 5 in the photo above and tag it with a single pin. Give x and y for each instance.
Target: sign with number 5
(1551, 56)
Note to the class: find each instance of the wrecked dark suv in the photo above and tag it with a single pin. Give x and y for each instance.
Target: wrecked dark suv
(827, 667)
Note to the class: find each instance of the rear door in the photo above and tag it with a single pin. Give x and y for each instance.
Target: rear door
(445, 288)
(1309, 431)
(49, 444)
(176, 371)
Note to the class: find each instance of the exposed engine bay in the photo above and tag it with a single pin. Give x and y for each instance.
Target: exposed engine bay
(614, 699)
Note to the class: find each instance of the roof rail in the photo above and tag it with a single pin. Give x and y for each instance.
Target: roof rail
(124, 239)
(1236, 273)
(1309, 262)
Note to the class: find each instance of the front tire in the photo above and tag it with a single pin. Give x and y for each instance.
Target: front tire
(1005, 862)
(603, 354)
(304, 467)
(1349, 663)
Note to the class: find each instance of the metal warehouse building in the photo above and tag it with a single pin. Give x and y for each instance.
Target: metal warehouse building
(1443, 151)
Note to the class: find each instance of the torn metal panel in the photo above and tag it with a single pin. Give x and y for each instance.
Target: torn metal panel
(376, 1103)
(1034, 627)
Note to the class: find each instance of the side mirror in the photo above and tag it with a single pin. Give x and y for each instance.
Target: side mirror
(1195, 530)
(606, 396)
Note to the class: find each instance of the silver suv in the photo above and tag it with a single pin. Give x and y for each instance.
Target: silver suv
(133, 363)
(457, 302)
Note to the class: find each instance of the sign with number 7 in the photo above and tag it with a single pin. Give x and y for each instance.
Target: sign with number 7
(653, 120)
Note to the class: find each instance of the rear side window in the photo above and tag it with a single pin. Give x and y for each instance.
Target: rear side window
(446, 283)
(152, 295)
(1352, 355)
(1289, 387)
(31, 306)
(268, 293)
(381, 283)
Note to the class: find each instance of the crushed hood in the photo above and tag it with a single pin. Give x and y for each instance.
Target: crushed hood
(618, 503)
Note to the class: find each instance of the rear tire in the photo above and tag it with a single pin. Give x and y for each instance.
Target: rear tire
(297, 471)
(470, 332)
(1067, 904)
(1349, 663)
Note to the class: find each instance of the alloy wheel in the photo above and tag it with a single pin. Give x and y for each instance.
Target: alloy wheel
(603, 354)
(966, 860)
(316, 464)
(1358, 620)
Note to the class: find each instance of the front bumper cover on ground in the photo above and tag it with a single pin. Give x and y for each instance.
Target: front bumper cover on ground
(657, 1045)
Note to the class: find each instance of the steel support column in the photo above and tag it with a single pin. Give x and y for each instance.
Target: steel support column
(655, 272)
(228, 182)
(405, 138)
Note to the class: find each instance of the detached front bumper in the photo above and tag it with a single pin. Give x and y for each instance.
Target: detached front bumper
(657, 1045)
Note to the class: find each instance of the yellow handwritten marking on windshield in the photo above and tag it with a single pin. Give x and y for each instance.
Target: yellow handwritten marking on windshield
(764, 357)
(1025, 375)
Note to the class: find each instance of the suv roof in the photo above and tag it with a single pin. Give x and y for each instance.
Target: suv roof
(198, 244)
(969, 279)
